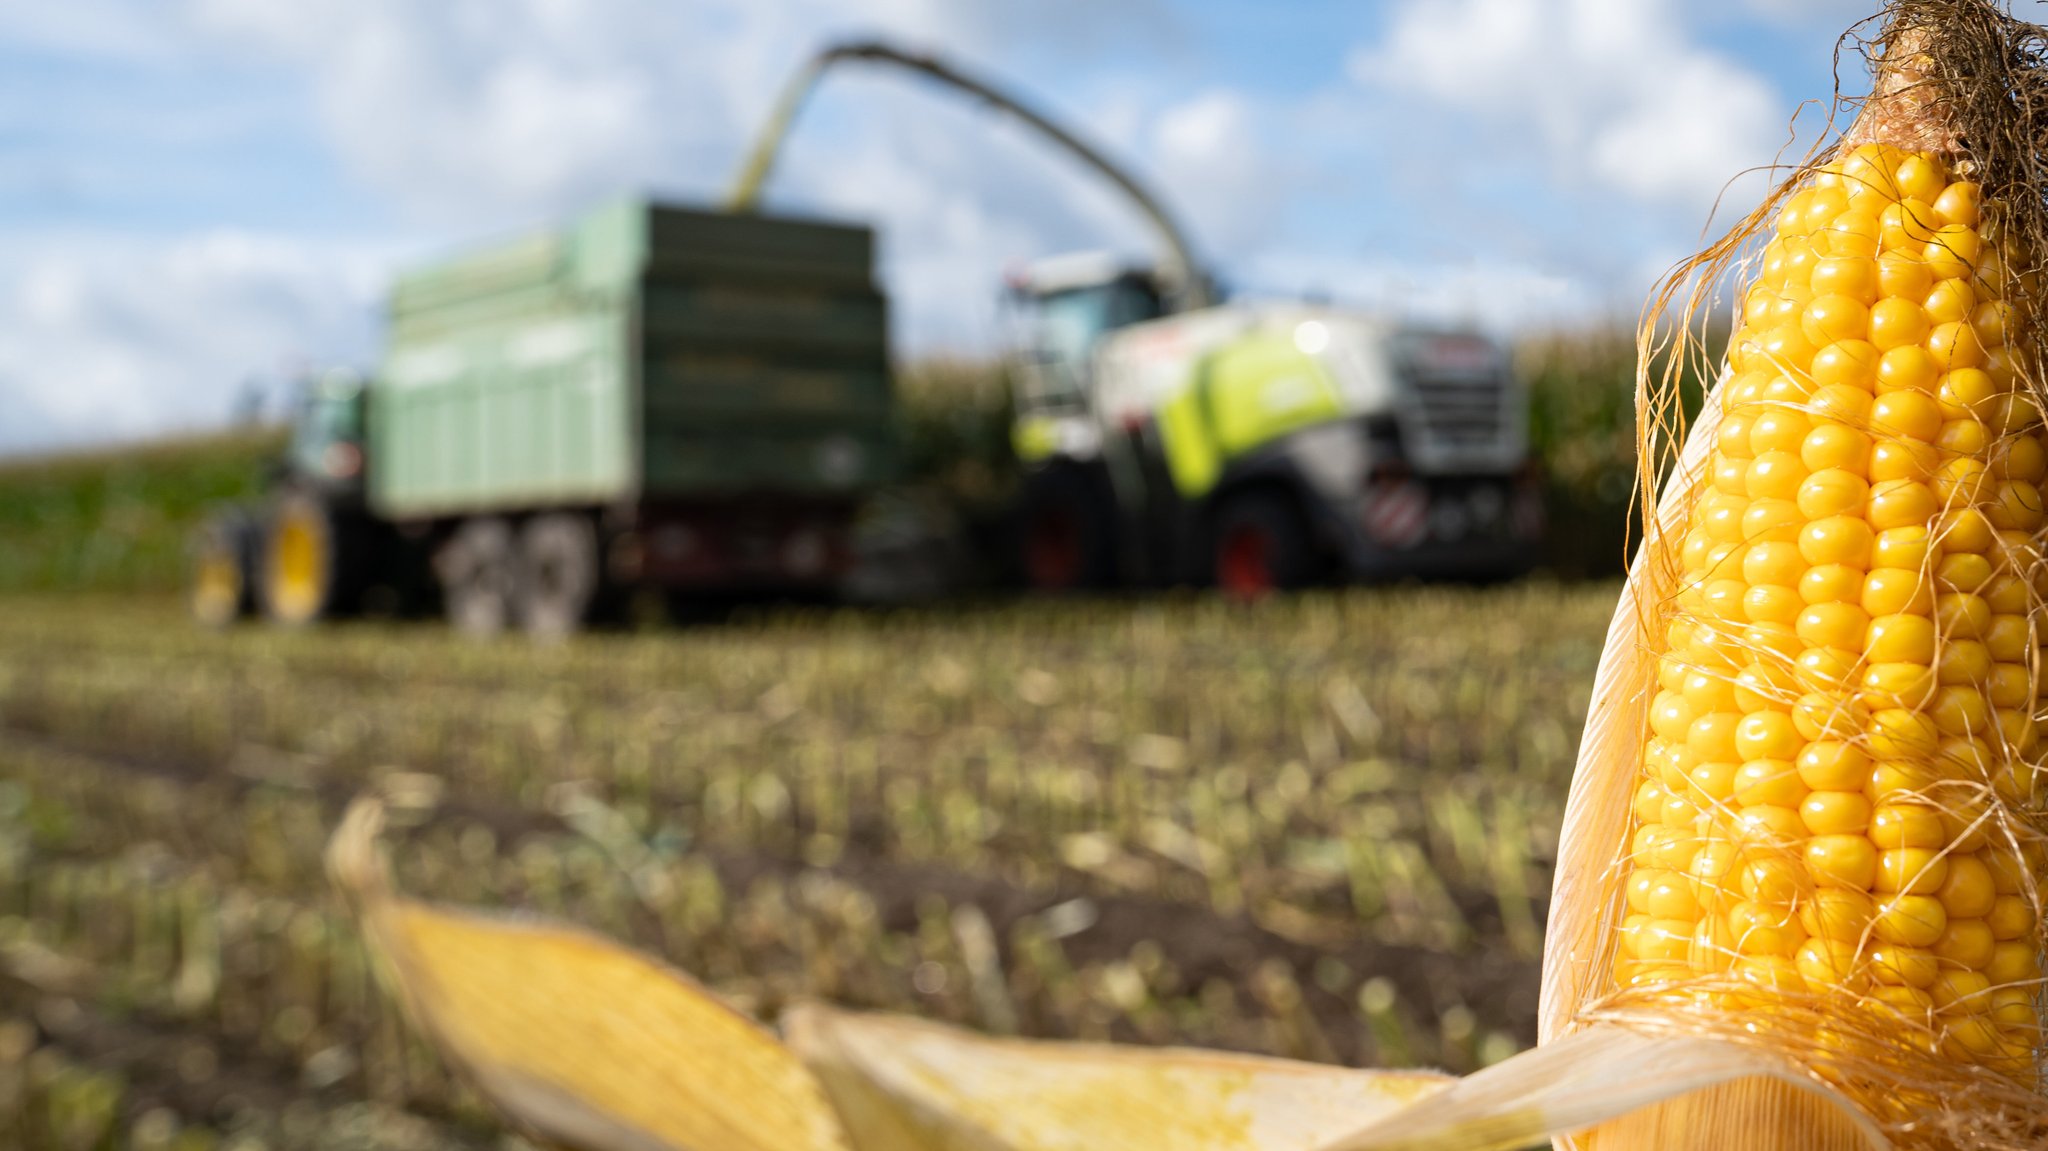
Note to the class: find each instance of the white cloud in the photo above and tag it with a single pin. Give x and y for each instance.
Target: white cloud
(108, 339)
(100, 29)
(1214, 157)
(1492, 294)
(1837, 15)
(1615, 91)
(533, 107)
(467, 110)
(1705, 123)
(480, 114)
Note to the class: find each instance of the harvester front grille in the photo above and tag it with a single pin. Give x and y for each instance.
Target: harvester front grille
(1463, 413)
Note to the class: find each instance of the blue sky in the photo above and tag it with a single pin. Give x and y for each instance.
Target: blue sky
(195, 194)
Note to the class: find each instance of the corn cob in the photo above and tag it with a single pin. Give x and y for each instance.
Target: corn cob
(1847, 691)
(1832, 839)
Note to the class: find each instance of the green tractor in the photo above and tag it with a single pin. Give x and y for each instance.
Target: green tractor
(311, 550)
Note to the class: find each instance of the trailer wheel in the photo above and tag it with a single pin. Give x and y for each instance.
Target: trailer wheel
(222, 590)
(306, 569)
(1067, 536)
(1262, 546)
(478, 568)
(558, 576)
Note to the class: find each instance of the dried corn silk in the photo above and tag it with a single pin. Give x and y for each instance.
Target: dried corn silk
(1807, 816)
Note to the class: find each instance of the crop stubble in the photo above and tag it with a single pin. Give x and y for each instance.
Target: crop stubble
(1321, 828)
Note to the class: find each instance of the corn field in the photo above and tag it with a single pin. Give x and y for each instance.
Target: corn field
(1321, 828)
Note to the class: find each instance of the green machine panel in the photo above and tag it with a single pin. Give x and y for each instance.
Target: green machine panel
(646, 352)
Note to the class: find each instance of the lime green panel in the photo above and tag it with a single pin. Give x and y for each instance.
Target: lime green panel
(1034, 438)
(1244, 396)
(1192, 457)
(1263, 388)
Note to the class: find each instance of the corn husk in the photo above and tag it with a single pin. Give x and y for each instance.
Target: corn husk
(576, 1039)
(902, 1083)
(592, 1045)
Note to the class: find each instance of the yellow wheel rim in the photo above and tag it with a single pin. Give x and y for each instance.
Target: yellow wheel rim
(216, 586)
(298, 565)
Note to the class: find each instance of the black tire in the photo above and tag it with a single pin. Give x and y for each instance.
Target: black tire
(307, 567)
(558, 574)
(478, 569)
(1067, 532)
(221, 575)
(1261, 545)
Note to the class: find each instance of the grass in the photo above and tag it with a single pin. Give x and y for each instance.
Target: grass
(119, 519)
(1320, 828)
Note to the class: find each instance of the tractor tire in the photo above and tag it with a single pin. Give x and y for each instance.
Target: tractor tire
(479, 573)
(308, 562)
(559, 580)
(1067, 533)
(1262, 546)
(222, 579)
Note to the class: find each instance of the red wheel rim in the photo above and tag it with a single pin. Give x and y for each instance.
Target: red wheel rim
(1052, 549)
(1244, 563)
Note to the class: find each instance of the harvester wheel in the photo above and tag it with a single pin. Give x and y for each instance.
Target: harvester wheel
(558, 575)
(222, 588)
(478, 567)
(304, 576)
(1262, 546)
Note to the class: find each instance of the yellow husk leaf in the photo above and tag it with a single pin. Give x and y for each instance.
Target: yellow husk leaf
(1604, 1073)
(901, 1083)
(582, 1041)
(1597, 810)
(594, 1046)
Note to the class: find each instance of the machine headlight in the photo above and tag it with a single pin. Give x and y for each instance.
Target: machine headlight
(1311, 337)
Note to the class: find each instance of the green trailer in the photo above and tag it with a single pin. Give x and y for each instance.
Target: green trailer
(653, 396)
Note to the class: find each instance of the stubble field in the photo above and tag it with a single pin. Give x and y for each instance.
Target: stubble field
(1320, 828)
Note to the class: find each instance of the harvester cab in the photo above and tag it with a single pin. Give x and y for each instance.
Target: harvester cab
(1057, 311)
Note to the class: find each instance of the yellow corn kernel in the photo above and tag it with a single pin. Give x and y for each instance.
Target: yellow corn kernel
(1912, 920)
(1848, 687)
